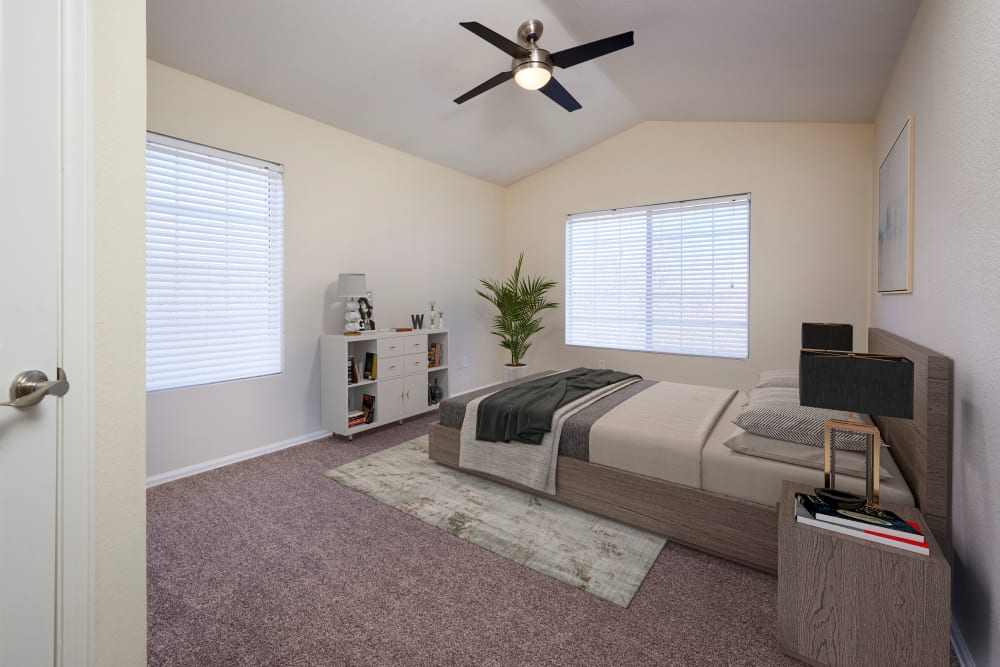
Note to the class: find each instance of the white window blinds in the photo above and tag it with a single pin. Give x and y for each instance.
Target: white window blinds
(663, 278)
(214, 264)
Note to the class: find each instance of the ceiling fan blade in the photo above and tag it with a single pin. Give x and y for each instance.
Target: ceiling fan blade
(513, 49)
(484, 86)
(555, 92)
(590, 50)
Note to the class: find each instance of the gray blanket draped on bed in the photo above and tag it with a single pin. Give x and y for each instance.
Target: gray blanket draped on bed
(533, 466)
(523, 413)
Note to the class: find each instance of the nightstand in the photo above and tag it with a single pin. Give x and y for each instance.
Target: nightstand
(843, 600)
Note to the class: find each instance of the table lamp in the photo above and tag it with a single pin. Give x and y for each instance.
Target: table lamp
(351, 286)
(875, 384)
(827, 336)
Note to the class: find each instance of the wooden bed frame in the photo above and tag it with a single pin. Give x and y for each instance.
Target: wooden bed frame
(744, 531)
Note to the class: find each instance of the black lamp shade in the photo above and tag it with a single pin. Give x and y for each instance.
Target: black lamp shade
(868, 383)
(827, 336)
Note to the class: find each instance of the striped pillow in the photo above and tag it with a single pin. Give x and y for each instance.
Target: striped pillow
(772, 413)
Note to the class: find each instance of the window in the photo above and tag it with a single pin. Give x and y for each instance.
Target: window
(214, 262)
(663, 278)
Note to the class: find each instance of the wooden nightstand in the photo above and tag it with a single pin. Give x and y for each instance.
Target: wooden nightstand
(847, 601)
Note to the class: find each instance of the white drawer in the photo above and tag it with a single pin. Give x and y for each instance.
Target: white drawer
(390, 347)
(390, 367)
(414, 363)
(415, 344)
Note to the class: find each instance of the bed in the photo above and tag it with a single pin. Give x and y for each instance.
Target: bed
(729, 508)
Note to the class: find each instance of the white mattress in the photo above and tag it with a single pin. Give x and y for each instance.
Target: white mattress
(759, 480)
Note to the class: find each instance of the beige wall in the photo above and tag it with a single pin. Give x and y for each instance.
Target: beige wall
(811, 198)
(948, 78)
(119, 531)
(419, 231)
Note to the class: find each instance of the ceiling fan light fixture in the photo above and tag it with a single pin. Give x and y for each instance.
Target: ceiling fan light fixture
(532, 75)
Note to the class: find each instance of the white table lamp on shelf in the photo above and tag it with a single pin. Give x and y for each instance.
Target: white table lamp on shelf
(351, 286)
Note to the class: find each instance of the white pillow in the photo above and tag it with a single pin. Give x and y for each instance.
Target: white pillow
(784, 377)
(845, 462)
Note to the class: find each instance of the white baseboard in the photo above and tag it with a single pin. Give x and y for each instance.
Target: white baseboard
(961, 648)
(163, 478)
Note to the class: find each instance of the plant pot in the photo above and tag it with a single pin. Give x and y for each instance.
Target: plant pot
(514, 372)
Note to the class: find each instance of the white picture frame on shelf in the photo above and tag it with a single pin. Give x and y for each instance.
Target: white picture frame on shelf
(895, 215)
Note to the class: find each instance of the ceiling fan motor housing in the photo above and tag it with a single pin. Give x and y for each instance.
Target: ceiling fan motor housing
(536, 58)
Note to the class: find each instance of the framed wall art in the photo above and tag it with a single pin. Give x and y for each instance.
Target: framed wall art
(895, 215)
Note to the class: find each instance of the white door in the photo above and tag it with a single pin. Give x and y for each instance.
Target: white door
(414, 393)
(389, 402)
(30, 260)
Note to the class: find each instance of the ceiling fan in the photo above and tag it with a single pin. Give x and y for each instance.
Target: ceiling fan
(532, 66)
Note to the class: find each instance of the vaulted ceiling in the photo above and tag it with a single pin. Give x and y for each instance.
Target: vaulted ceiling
(388, 70)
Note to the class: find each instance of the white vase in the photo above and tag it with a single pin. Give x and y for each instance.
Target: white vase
(514, 372)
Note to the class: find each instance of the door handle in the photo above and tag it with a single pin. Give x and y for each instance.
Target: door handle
(29, 388)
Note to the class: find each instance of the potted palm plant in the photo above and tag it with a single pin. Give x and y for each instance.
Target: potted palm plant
(518, 301)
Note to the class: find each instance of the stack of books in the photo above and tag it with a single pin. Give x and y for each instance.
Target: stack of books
(868, 523)
(435, 351)
(355, 417)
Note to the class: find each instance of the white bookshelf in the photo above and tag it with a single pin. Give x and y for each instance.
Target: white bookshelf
(401, 382)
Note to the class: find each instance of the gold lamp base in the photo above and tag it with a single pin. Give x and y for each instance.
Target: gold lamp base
(872, 469)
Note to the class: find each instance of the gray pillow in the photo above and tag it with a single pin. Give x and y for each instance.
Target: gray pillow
(784, 377)
(847, 463)
(772, 415)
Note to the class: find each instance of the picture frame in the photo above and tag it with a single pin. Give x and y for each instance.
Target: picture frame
(895, 215)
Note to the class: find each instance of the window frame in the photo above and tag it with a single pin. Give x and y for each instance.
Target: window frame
(273, 260)
(648, 319)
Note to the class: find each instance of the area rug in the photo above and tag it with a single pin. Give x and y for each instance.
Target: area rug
(596, 555)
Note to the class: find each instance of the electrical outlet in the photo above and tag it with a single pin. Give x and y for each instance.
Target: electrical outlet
(465, 361)
(600, 363)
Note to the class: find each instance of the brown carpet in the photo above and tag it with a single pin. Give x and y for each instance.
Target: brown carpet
(267, 562)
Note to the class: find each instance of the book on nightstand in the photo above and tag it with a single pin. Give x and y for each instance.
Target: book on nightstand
(802, 515)
(876, 519)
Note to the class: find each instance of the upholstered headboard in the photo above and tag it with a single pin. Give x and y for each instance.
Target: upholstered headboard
(922, 446)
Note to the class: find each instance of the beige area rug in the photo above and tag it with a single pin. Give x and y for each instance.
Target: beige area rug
(597, 555)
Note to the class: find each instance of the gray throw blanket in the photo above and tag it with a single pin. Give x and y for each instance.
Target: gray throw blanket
(534, 466)
(524, 412)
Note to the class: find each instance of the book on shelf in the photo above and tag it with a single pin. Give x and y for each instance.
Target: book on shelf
(368, 408)
(371, 366)
(802, 515)
(435, 352)
(876, 519)
(352, 371)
